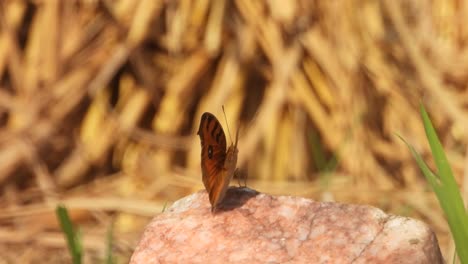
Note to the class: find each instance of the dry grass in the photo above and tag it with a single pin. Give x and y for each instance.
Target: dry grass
(100, 101)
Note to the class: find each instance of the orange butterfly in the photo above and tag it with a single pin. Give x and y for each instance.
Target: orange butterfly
(217, 165)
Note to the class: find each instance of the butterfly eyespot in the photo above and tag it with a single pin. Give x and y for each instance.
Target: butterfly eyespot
(210, 151)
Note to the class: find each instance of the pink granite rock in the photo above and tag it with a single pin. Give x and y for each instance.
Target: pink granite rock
(260, 228)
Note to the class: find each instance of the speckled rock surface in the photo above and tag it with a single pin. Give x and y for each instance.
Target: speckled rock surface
(259, 228)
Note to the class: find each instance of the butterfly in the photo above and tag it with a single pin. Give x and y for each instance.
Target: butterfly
(217, 164)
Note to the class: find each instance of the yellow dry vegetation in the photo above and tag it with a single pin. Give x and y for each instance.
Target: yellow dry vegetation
(100, 102)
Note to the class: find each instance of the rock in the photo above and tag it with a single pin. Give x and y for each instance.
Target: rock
(260, 228)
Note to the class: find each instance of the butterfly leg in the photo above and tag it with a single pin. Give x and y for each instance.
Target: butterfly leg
(238, 175)
(245, 179)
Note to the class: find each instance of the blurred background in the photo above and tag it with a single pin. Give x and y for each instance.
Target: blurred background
(100, 102)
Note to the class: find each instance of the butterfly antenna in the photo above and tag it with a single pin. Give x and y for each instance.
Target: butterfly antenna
(227, 125)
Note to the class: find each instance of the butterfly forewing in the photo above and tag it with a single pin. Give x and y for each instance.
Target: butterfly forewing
(213, 156)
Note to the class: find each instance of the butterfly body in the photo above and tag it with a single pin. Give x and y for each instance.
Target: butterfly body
(217, 164)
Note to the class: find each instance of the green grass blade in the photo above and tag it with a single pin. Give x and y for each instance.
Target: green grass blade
(109, 240)
(164, 207)
(449, 195)
(443, 167)
(430, 176)
(445, 187)
(73, 238)
(317, 151)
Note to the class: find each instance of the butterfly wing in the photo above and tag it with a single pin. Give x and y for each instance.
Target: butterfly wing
(213, 156)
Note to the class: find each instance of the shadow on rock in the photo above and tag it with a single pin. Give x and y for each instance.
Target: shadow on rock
(235, 198)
